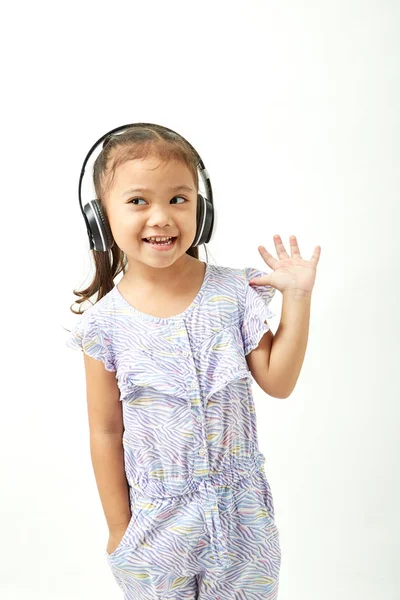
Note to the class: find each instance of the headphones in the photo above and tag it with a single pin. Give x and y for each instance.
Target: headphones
(97, 225)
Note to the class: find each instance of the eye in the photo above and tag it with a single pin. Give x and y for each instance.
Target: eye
(131, 201)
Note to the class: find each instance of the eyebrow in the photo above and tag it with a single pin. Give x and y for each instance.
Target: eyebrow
(175, 188)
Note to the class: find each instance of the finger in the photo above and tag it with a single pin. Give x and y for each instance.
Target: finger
(259, 281)
(280, 248)
(294, 248)
(268, 258)
(316, 254)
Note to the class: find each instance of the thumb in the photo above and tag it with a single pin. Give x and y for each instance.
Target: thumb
(260, 280)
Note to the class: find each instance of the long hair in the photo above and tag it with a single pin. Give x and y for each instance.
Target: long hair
(136, 142)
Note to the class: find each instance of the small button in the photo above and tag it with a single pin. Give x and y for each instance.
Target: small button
(198, 418)
(186, 354)
(193, 386)
(202, 451)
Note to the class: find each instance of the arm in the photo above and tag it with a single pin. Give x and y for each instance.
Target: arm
(280, 358)
(289, 344)
(106, 430)
(276, 362)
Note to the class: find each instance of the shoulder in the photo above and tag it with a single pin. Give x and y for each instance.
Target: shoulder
(97, 316)
(102, 309)
(241, 273)
(234, 276)
(237, 278)
(93, 332)
(251, 300)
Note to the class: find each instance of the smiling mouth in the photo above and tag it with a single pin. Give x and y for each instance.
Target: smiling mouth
(167, 242)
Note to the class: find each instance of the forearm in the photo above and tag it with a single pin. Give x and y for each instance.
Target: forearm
(107, 455)
(289, 344)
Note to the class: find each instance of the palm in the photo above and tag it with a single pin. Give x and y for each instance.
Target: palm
(290, 273)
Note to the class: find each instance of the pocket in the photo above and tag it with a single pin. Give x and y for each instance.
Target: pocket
(263, 491)
(140, 526)
(269, 501)
(123, 539)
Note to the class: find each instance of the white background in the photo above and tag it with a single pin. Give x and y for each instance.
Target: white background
(294, 108)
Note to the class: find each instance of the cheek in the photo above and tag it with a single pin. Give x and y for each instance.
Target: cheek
(187, 222)
(126, 229)
(127, 223)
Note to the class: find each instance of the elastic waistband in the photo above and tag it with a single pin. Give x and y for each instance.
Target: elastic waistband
(152, 489)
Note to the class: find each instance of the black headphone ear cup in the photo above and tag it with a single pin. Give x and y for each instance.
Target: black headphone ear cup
(200, 212)
(205, 221)
(99, 226)
(106, 226)
(199, 220)
(209, 221)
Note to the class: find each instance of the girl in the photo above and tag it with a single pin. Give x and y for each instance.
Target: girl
(170, 353)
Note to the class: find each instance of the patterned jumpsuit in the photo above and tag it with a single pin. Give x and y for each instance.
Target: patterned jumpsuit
(202, 515)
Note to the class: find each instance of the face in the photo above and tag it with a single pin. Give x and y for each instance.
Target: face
(151, 198)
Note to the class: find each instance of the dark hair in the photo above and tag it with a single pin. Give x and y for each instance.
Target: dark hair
(136, 142)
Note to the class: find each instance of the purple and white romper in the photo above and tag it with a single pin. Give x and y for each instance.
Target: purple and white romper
(202, 513)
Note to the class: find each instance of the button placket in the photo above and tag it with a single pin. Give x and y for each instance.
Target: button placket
(182, 344)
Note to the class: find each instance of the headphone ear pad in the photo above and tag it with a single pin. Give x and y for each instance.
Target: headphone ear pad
(106, 226)
(200, 211)
(205, 221)
(99, 226)
(199, 220)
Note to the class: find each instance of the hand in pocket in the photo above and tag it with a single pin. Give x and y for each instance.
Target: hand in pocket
(115, 538)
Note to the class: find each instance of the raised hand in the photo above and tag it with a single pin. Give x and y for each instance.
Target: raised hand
(290, 273)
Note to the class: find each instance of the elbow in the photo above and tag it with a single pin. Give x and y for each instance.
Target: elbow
(280, 396)
(278, 388)
(278, 393)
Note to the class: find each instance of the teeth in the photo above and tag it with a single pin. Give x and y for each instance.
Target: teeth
(159, 239)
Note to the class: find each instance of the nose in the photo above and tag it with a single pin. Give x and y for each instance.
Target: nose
(159, 217)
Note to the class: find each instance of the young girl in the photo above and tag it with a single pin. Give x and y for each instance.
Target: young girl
(170, 353)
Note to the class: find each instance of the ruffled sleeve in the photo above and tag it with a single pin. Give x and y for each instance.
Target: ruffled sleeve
(256, 310)
(88, 337)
